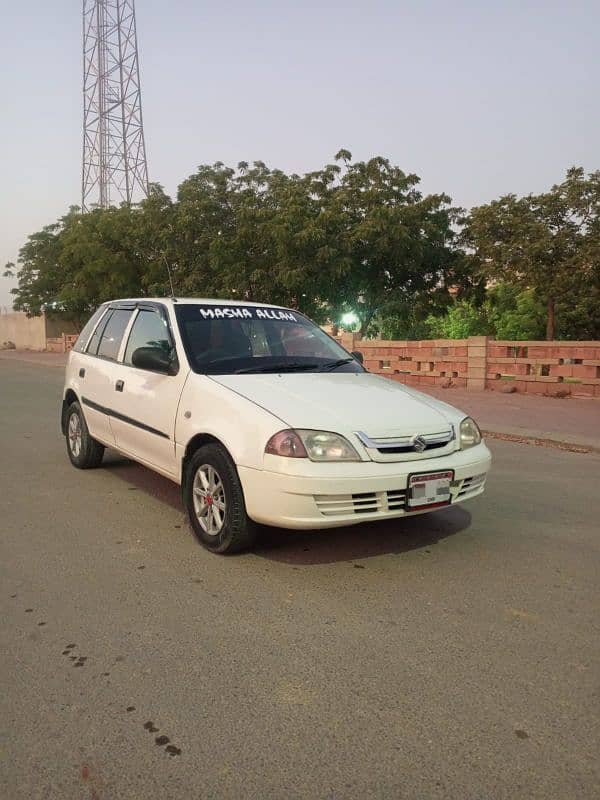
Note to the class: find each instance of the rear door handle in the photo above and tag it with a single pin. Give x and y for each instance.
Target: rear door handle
(82, 373)
(119, 386)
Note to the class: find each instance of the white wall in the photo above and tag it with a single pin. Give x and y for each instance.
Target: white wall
(25, 333)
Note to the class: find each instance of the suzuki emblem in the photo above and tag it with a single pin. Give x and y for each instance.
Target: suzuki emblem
(418, 443)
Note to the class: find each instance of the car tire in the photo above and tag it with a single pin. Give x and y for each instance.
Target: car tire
(84, 452)
(214, 500)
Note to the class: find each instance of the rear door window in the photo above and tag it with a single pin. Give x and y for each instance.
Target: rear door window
(110, 342)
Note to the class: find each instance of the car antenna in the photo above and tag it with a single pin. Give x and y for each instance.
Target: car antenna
(170, 277)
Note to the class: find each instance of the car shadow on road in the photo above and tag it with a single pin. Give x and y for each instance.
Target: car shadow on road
(394, 536)
(306, 548)
(143, 479)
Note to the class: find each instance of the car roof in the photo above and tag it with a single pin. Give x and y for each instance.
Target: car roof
(192, 301)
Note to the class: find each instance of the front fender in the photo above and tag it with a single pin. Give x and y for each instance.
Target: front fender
(63, 417)
(208, 408)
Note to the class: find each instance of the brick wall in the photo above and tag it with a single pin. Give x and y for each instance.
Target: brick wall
(545, 367)
(427, 363)
(479, 362)
(61, 344)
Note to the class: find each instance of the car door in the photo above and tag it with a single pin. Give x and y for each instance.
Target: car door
(96, 375)
(144, 402)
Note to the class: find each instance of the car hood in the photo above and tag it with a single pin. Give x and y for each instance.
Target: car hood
(342, 402)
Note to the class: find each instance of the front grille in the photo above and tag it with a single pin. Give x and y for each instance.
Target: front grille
(409, 448)
(389, 450)
(339, 504)
(396, 499)
(390, 501)
(471, 485)
(361, 503)
(365, 502)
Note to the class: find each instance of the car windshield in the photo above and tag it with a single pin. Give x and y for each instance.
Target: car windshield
(234, 339)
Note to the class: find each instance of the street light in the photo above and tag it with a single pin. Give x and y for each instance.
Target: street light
(349, 319)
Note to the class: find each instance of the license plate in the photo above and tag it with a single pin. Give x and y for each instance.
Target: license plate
(429, 489)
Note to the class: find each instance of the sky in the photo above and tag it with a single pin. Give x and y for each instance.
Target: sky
(478, 98)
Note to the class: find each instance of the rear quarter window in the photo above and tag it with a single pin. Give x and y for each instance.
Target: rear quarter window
(112, 335)
(87, 329)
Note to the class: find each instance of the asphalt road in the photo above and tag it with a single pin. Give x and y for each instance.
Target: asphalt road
(448, 656)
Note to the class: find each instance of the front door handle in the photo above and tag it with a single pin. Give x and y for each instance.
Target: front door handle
(119, 386)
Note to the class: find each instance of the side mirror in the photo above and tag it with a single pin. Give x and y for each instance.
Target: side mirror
(358, 356)
(154, 359)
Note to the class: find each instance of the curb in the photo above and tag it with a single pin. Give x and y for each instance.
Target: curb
(36, 362)
(538, 442)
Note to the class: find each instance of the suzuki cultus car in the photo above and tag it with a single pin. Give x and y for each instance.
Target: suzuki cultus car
(262, 418)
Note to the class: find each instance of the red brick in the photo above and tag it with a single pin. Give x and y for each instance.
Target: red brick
(580, 389)
(533, 387)
(539, 352)
(562, 370)
(583, 371)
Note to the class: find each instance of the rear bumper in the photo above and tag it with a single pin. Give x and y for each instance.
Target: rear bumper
(360, 493)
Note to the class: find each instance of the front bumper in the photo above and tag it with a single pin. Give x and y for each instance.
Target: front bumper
(334, 495)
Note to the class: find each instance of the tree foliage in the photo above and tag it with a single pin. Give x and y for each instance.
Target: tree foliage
(354, 237)
(506, 312)
(393, 245)
(549, 243)
(464, 318)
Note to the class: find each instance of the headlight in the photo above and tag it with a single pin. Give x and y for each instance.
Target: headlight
(470, 435)
(316, 445)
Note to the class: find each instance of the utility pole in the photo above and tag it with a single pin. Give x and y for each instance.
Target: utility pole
(114, 152)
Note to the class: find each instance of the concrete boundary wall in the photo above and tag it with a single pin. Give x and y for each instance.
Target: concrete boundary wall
(25, 333)
(550, 368)
(45, 332)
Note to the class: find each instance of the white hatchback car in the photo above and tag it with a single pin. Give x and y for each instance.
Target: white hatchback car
(262, 418)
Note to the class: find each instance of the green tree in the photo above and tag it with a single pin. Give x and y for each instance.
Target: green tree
(580, 315)
(39, 273)
(349, 237)
(250, 233)
(389, 243)
(463, 319)
(515, 314)
(83, 260)
(549, 243)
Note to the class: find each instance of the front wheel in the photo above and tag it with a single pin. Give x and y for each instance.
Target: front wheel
(84, 452)
(214, 501)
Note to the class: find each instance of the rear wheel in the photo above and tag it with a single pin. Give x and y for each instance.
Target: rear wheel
(214, 501)
(84, 452)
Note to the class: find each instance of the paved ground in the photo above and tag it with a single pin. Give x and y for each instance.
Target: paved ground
(447, 656)
(34, 357)
(574, 420)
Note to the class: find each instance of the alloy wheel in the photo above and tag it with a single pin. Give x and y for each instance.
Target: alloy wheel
(209, 499)
(75, 435)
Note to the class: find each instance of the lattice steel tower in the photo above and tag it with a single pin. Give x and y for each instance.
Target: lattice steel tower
(114, 152)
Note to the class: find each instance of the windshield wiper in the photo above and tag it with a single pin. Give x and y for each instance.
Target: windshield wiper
(335, 364)
(284, 367)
